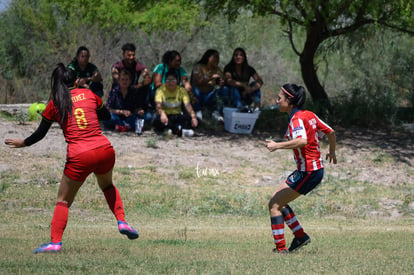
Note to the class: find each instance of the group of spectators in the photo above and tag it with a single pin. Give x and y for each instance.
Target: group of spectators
(169, 99)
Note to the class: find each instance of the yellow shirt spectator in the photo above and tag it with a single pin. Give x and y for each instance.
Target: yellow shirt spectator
(171, 101)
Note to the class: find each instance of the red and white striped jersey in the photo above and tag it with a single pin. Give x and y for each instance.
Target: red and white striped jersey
(307, 125)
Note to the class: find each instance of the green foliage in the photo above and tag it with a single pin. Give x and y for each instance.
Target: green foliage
(38, 34)
(152, 16)
(321, 20)
(371, 80)
(103, 13)
(22, 117)
(151, 142)
(175, 15)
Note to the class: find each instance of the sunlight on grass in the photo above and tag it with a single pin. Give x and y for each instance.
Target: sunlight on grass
(207, 218)
(208, 245)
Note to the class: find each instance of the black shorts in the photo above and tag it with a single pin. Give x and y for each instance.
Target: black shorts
(304, 182)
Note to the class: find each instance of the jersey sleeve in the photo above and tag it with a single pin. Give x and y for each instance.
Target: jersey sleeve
(323, 126)
(50, 113)
(297, 128)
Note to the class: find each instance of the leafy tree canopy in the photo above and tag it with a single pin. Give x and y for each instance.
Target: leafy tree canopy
(321, 20)
(151, 16)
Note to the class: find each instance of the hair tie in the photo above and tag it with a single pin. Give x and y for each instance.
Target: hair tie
(286, 92)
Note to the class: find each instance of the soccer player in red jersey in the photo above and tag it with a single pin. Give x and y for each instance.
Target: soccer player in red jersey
(77, 111)
(303, 134)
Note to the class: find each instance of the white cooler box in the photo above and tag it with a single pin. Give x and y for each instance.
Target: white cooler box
(239, 123)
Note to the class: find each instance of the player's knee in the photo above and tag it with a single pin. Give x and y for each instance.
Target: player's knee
(274, 206)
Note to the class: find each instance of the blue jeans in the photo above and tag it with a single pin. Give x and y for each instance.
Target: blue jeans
(235, 97)
(120, 120)
(204, 99)
(230, 96)
(148, 116)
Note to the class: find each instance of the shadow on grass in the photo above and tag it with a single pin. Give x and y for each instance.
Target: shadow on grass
(395, 141)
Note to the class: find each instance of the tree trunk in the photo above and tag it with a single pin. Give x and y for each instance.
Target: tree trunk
(309, 74)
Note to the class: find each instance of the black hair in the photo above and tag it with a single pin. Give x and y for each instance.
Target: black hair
(80, 49)
(128, 47)
(206, 56)
(169, 56)
(171, 73)
(295, 94)
(62, 79)
(244, 65)
(126, 72)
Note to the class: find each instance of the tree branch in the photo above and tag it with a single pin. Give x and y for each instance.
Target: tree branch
(394, 27)
(290, 36)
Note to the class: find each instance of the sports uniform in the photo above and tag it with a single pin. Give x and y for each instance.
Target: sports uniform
(305, 124)
(88, 151)
(303, 134)
(83, 136)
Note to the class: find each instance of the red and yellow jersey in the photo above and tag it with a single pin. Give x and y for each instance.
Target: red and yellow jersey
(307, 125)
(81, 130)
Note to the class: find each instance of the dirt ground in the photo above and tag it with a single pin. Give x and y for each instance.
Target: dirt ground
(218, 151)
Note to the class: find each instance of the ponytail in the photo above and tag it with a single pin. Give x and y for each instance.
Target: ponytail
(295, 94)
(62, 79)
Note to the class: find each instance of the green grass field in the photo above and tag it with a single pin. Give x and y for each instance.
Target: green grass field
(204, 245)
(360, 223)
(207, 228)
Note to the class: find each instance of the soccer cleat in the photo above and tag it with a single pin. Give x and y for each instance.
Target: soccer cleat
(299, 242)
(128, 230)
(283, 250)
(48, 247)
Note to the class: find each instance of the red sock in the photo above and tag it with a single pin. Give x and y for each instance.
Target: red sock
(59, 221)
(278, 231)
(292, 222)
(115, 202)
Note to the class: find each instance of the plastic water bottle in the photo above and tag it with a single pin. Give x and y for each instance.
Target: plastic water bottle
(179, 130)
(139, 124)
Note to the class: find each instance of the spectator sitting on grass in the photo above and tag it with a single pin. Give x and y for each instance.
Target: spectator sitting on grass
(237, 76)
(171, 61)
(207, 81)
(88, 75)
(169, 99)
(126, 104)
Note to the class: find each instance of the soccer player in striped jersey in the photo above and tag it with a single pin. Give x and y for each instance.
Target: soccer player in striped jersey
(77, 111)
(303, 134)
